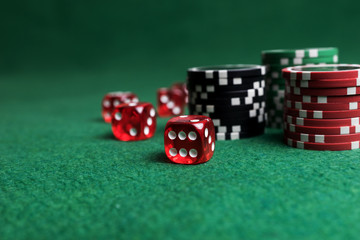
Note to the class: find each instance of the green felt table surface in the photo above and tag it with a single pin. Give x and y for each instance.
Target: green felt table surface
(64, 176)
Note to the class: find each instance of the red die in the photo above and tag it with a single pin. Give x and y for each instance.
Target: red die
(189, 139)
(170, 102)
(133, 121)
(182, 87)
(113, 99)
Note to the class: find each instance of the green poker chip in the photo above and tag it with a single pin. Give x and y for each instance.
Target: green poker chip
(275, 123)
(275, 106)
(276, 87)
(274, 112)
(275, 96)
(285, 62)
(276, 61)
(274, 74)
(299, 53)
(275, 101)
(276, 81)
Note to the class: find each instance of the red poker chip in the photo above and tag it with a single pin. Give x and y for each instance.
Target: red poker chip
(323, 99)
(322, 106)
(341, 130)
(322, 122)
(324, 91)
(318, 138)
(322, 146)
(322, 71)
(321, 114)
(325, 83)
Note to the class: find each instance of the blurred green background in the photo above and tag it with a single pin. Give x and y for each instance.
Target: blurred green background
(129, 40)
(63, 176)
(50, 34)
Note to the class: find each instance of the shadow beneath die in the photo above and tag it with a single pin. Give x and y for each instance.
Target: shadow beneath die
(159, 157)
(160, 129)
(106, 136)
(98, 120)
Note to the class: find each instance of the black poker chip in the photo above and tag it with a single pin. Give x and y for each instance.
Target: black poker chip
(225, 82)
(220, 108)
(249, 127)
(228, 101)
(239, 121)
(208, 88)
(229, 94)
(233, 96)
(238, 135)
(227, 71)
(233, 115)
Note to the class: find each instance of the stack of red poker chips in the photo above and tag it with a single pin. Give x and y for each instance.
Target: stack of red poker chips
(322, 107)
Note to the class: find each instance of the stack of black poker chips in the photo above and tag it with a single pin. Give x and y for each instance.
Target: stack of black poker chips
(233, 96)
